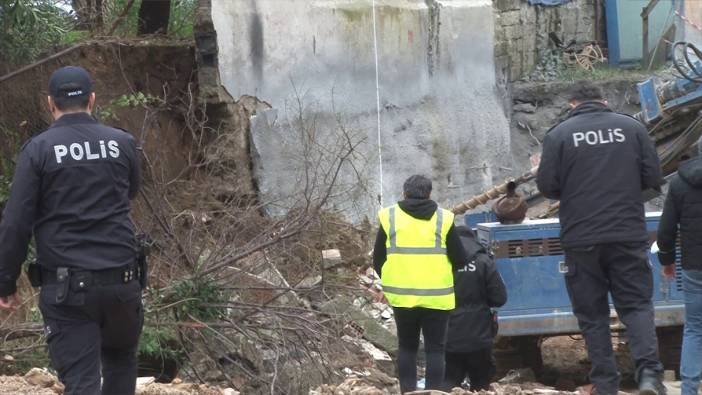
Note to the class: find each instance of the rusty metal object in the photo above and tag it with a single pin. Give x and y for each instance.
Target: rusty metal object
(492, 193)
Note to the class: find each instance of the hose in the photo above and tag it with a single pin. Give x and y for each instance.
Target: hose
(687, 61)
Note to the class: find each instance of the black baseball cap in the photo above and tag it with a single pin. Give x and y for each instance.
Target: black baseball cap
(70, 81)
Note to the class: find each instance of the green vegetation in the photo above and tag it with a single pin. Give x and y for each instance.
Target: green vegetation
(107, 113)
(601, 72)
(7, 165)
(29, 27)
(180, 24)
(160, 343)
(195, 297)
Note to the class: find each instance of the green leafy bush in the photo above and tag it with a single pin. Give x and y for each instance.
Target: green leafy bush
(29, 27)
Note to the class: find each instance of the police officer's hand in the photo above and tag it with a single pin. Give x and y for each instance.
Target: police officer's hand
(669, 272)
(11, 302)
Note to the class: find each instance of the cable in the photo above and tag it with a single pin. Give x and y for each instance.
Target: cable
(377, 103)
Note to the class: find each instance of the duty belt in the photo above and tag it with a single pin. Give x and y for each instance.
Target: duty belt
(84, 278)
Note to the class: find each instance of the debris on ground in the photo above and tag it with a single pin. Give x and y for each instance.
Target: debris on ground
(369, 386)
(16, 385)
(42, 382)
(367, 382)
(183, 389)
(44, 379)
(518, 376)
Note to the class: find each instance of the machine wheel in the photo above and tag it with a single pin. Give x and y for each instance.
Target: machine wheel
(669, 347)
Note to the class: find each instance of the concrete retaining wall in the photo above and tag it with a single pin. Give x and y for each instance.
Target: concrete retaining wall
(440, 113)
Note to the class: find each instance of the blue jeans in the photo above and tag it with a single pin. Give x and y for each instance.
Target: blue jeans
(691, 356)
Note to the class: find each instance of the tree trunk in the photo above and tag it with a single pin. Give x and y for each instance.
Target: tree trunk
(154, 16)
(90, 14)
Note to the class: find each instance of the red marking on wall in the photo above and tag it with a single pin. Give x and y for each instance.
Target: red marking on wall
(410, 36)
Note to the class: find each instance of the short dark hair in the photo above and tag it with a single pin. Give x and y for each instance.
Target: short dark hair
(581, 91)
(417, 187)
(77, 103)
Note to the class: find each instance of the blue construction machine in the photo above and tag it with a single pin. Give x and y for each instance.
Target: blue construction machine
(529, 255)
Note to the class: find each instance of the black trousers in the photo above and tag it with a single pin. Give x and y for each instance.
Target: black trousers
(92, 333)
(623, 270)
(433, 325)
(478, 366)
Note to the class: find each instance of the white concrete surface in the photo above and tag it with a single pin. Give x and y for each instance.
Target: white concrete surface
(440, 114)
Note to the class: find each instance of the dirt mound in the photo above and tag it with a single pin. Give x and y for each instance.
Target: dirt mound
(159, 69)
(14, 385)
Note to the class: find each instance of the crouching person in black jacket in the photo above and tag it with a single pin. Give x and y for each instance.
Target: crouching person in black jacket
(478, 288)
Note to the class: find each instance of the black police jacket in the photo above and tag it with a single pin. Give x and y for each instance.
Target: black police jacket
(597, 163)
(683, 211)
(71, 190)
(478, 287)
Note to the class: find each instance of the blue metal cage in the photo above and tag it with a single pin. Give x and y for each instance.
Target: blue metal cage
(531, 261)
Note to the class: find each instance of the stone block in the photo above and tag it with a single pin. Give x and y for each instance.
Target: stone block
(510, 18)
(513, 32)
(40, 377)
(331, 258)
(508, 5)
(372, 330)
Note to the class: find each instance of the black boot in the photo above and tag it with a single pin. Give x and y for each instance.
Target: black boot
(651, 383)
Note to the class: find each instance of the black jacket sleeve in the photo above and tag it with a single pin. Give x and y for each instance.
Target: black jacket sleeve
(651, 176)
(135, 170)
(380, 252)
(496, 290)
(18, 221)
(548, 178)
(454, 249)
(668, 225)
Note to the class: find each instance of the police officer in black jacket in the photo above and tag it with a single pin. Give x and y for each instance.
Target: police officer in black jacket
(682, 217)
(479, 288)
(597, 163)
(71, 191)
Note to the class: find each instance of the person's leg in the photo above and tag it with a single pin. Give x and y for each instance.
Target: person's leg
(481, 369)
(122, 321)
(455, 370)
(691, 356)
(408, 326)
(434, 327)
(631, 285)
(587, 287)
(73, 340)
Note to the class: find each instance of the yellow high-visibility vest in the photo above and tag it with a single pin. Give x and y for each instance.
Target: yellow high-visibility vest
(417, 272)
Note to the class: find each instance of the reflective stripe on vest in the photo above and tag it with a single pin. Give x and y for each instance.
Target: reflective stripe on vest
(420, 292)
(394, 249)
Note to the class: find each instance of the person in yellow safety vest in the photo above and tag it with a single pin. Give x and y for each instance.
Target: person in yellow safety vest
(415, 252)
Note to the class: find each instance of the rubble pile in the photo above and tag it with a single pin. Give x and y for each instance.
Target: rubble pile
(367, 382)
(42, 382)
(148, 386)
(374, 385)
(35, 382)
(375, 307)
